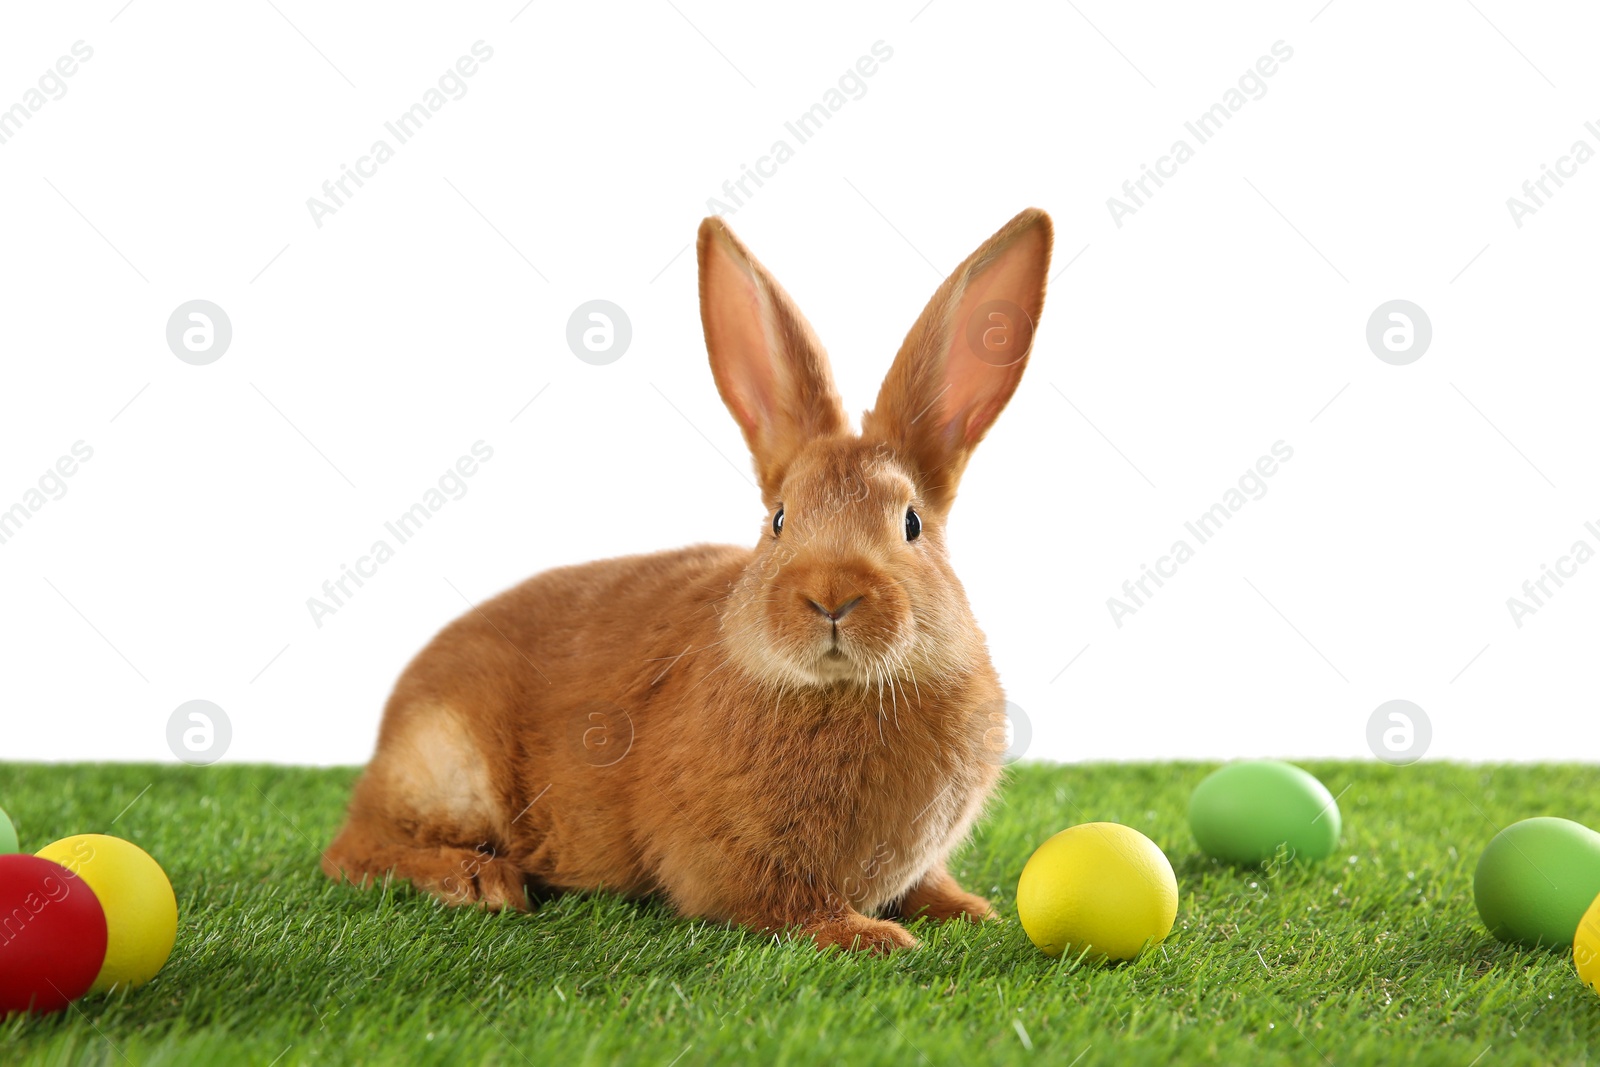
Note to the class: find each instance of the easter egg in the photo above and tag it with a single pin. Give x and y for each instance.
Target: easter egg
(8, 834)
(52, 939)
(1536, 879)
(1101, 887)
(1241, 813)
(141, 911)
(1586, 946)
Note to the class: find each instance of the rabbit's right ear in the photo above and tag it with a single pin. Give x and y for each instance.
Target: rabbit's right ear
(771, 371)
(961, 362)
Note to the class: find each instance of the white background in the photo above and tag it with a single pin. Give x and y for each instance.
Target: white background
(1227, 314)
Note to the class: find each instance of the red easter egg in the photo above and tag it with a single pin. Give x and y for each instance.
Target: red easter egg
(52, 935)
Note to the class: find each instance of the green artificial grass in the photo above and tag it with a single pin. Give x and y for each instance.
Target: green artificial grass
(1374, 956)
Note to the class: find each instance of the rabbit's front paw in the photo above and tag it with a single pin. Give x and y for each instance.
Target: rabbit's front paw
(859, 933)
(960, 905)
(940, 898)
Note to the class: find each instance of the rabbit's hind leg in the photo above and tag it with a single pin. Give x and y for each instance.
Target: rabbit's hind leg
(455, 875)
(425, 811)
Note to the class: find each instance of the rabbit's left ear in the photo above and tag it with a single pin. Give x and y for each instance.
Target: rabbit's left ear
(770, 369)
(959, 365)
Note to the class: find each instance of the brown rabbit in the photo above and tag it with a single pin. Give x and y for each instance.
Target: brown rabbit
(790, 736)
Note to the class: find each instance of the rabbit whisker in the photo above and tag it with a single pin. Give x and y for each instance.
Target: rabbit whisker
(913, 676)
(674, 663)
(894, 700)
(708, 674)
(680, 655)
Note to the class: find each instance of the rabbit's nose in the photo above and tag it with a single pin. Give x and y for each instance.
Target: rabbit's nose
(835, 614)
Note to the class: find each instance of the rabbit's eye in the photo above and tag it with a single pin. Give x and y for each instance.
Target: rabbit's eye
(913, 524)
(777, 523)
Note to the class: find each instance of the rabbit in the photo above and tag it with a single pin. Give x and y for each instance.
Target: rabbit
(790, 737)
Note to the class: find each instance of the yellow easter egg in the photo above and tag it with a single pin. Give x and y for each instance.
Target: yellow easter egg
(141, 911)
(1586, 947)
(1099, 886)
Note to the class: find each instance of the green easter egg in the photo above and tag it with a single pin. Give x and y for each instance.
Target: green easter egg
(1244, 811)
(1536, 879)
(8, 834)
